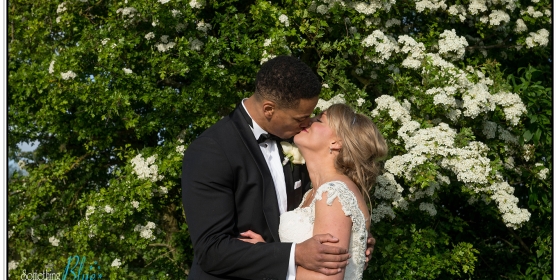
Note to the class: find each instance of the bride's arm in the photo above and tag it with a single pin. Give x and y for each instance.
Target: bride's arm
(329, 219)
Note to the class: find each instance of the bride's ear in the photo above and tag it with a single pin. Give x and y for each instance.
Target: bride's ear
(335, 145)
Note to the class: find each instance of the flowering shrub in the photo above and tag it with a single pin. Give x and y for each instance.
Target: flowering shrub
(115, 92)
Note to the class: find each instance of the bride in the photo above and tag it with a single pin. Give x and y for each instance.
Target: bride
(341, 149)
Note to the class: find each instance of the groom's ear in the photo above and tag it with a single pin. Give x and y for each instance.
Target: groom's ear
(268, 108)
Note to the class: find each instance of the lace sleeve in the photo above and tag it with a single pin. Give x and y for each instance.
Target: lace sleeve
(359, 231)
(347, 199)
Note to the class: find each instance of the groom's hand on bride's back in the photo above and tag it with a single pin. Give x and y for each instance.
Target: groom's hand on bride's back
(369, 249)
(313, 255)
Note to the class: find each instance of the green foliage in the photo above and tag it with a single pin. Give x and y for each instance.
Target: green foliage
(149, 80)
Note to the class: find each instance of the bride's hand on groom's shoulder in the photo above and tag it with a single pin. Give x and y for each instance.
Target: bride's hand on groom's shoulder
(251, 237)
(313, 255)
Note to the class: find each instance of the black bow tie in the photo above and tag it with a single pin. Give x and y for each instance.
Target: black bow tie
(266, 136)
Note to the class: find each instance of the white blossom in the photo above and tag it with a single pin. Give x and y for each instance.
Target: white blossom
(512, 215)
(532, 12)
(323, 104)
(360, 101)
(504, 134)
(381, 211)
(266, 56)
(204, 27)
(135, 204)
(509, 163)
(477, 6)
(150, 36)
(477, 100)
(543, 173)
(176, 13)
(384, 46)
(512, 105)
(146, 231)
(537, 39)
(180, 27)
(127, 71)
(428, 207)
(392, 22)
(116, 263)
(197, 4)
(396, 111)
(21, 164)
(12, 265)
(520, 26)
(104, 41)
(267, 42)
(195, 44)
(452, 45)
(431, 5)
(51, 67)
(498, 16)
(90, 210)
(365, 8)
(489, 129)
(409, 46)
(54, 241)
(127, 11)
(162, 47)
(180, 149)
(458, 10)
(284, 19)
(108, 209)
(146, 169)
(163, 1)
(387, 188)
(33, 237)
(68, 75)
(322, 9)
(528, 151)
(61, 8)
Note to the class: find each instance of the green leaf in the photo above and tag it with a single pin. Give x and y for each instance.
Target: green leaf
(537, 135)
(527, 135)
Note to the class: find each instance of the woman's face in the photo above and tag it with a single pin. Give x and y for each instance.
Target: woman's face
(318, 136)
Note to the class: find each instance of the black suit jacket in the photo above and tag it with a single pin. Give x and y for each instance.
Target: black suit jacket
(227, 188)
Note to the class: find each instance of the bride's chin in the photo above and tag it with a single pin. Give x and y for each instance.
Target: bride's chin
(296, 138)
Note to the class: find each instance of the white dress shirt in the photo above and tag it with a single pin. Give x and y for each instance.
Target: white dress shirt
(269, 149)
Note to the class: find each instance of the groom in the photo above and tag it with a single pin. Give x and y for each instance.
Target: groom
(233, 181)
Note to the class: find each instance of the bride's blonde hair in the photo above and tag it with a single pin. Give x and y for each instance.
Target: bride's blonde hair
(362, 146)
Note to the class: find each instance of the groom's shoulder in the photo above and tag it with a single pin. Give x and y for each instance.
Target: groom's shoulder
(224, 127)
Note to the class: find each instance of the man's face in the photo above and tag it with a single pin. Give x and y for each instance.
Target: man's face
(285, 123)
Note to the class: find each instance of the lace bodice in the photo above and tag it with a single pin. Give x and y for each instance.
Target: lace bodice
(297, 225)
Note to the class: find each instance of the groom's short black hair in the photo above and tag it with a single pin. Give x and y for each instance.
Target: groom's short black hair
(286, 80)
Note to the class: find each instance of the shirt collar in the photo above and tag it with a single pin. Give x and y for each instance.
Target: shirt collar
(257, 130)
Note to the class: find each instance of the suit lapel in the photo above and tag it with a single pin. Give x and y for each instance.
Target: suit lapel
(270, 201)
(288, 178)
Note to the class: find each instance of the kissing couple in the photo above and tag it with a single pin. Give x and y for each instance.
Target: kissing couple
(252, 214)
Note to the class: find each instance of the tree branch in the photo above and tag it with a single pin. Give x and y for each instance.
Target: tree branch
(490, 47)
(523, 245)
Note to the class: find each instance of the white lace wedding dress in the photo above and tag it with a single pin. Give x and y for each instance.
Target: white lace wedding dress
(297, 225)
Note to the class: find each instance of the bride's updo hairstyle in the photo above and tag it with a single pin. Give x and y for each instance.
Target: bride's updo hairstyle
(362, 146)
